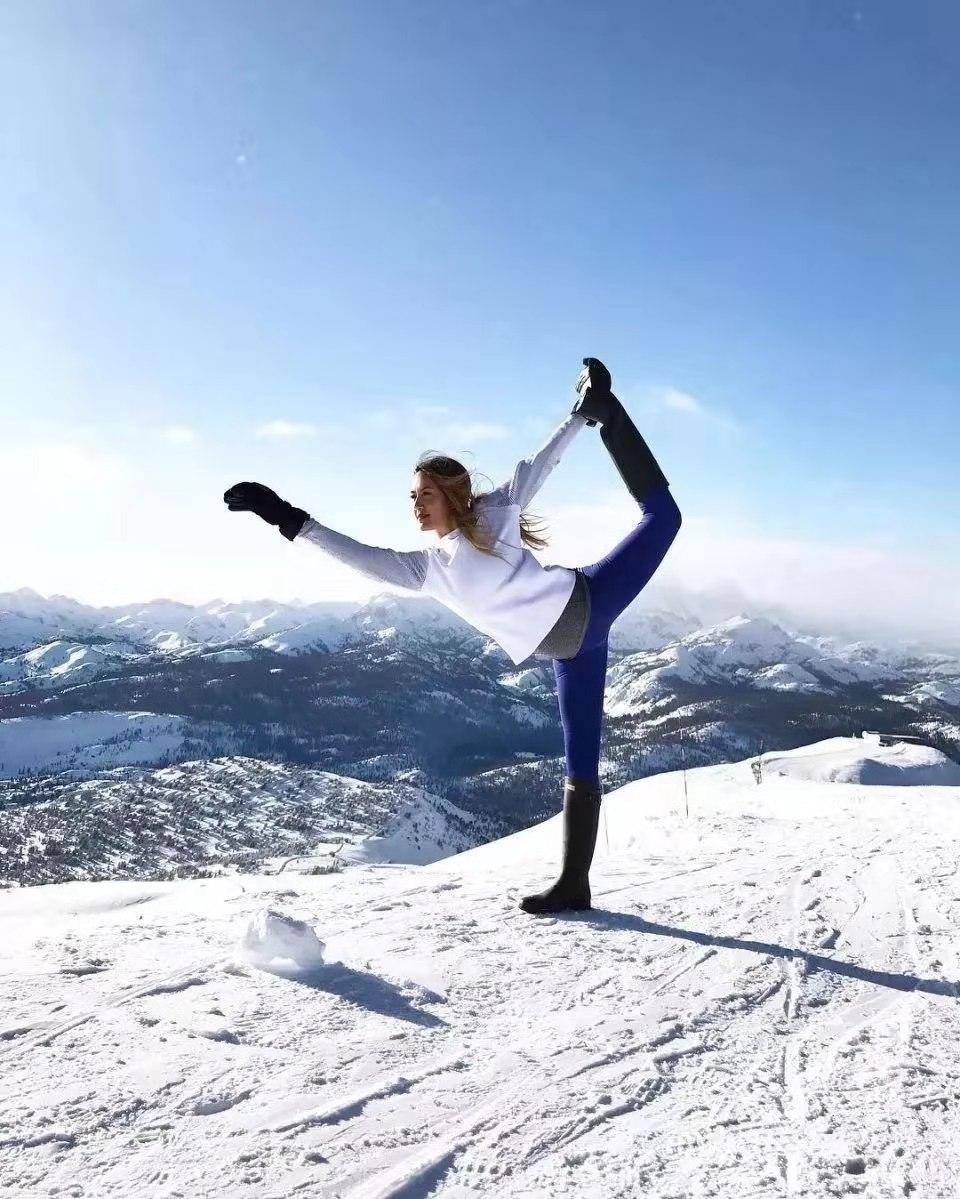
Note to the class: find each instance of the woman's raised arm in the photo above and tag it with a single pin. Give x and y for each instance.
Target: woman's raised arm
(531, 473)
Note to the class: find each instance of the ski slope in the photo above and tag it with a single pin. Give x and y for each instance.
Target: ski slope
(764, 1002)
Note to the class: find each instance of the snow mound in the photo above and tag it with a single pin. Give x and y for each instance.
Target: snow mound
(852, 760)
(281, 944)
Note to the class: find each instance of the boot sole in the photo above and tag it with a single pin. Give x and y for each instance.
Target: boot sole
(552, 911)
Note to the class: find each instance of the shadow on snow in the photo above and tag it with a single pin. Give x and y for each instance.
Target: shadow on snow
(814, 961)
(365, 990)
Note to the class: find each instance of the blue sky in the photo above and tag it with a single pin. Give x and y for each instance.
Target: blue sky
(301, 242)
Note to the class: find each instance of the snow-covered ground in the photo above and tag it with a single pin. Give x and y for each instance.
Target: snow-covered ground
(763, 1002)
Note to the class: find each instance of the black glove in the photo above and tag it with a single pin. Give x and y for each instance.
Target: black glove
(254, 497)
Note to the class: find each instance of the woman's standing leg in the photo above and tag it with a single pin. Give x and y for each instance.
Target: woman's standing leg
(580, 685)
(614, 581)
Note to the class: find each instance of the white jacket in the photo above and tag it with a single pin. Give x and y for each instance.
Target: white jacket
(511, 597)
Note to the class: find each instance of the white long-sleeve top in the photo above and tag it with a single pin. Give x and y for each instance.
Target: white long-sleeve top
(508, 595)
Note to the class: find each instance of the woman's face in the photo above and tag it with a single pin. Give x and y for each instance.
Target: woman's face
(430, 508)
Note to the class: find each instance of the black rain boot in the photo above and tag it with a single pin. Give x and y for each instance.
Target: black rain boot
(581, 816)
(630, 453)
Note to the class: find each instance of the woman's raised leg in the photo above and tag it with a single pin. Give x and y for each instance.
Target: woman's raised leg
(618, 578)
(621, 575)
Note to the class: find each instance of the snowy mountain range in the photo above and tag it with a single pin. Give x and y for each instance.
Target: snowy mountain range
(46, 642)
(401, 689)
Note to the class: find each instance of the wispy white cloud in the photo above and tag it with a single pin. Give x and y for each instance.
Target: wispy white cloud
(682, 401)
(178, 434)
(674, 400)
(277, 429)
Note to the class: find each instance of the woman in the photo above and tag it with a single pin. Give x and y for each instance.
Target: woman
(482, 570)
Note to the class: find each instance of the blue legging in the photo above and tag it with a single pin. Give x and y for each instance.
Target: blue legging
(613, 581)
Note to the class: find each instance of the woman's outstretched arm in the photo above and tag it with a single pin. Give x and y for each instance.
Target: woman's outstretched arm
(531, 473)
(405, 569)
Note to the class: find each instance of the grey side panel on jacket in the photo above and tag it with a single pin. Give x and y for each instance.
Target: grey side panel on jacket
(566, 637)
(404, 568)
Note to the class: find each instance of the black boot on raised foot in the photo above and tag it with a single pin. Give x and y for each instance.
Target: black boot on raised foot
(593, 392)
(581, 816)
(631, 455)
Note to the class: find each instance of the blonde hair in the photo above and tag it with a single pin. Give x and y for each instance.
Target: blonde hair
(455, 482)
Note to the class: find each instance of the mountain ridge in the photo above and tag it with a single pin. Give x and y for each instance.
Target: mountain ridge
(395, 686)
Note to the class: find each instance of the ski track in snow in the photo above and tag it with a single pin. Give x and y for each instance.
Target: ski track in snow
(762, 1003)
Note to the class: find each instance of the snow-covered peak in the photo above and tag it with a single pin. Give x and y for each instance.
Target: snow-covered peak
(311, 637)
(58, 662)
(28, 620)
(745, 640)
(407, 615)
(641, 628)
(756, 652)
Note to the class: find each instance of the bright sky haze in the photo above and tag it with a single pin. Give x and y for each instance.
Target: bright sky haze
(303, 242)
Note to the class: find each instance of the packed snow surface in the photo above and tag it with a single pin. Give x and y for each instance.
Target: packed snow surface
(763, 1002)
